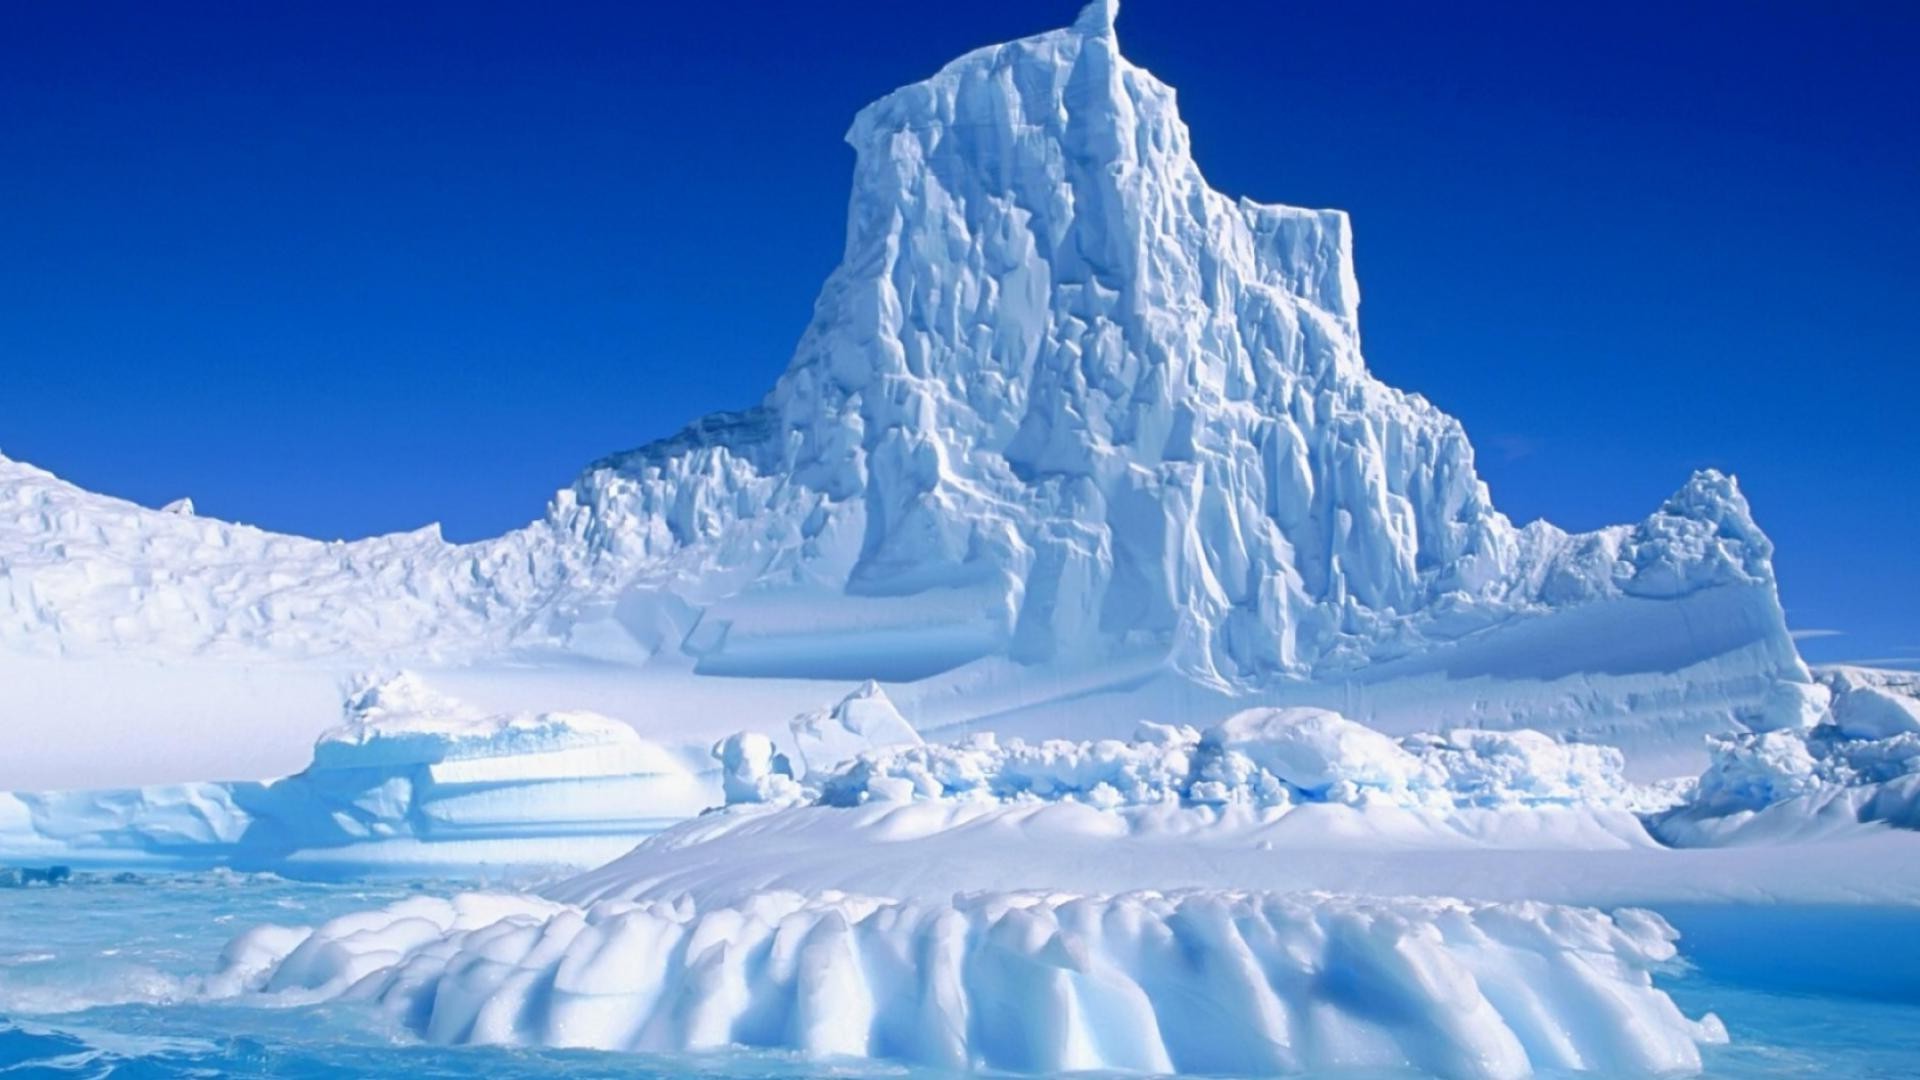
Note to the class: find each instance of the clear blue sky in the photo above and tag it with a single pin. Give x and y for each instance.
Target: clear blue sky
(340, 268)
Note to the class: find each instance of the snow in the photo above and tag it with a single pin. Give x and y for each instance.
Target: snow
(412, 778)
(753, 771)
(865, 719)
(1216, 982)
(1226, 725)
(1859, 766)
(1873, 704)
(1268, 758)
(1071, 439)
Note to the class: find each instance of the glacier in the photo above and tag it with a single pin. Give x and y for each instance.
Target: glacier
(1070, 436)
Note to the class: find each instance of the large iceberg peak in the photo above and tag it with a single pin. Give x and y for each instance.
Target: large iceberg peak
(1063, 404)
(1096, 19)
(1704, 534)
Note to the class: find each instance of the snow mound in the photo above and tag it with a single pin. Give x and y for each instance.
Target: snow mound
(1217, 982)
(412, 778)
(1860, 766)
(1061, 408)
(1270, 758)
(752, 771)
(865, 719)
(400, 720)
(1874, 704)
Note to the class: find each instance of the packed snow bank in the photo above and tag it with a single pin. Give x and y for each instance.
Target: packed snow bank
(1859, 766)
(411, 778)
(1267, 758)
(1218, 982)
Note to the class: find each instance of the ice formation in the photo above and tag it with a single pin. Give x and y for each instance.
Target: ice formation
(865, 719)
(1861, 766)
(1067, 422)
(1216, 982)
(412, 778)
(1263, 757)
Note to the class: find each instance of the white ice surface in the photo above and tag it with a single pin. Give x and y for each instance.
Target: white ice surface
(1217, 982)
(1060, 906)
(412, 778)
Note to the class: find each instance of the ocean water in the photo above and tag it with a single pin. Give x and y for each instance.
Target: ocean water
(98, 978)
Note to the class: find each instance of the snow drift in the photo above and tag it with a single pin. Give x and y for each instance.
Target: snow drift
(1066, 422)
(1212, 982)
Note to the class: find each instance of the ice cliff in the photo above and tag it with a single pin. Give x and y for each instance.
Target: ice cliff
(1062, 406)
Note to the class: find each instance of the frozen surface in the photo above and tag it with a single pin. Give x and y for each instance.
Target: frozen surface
(1266, 758)
(1072, 442)
(1057, 907)
(411, 778)
(864, 720)
(1211, 982)
(1071, 438)
(1858, 766)
(103, 976)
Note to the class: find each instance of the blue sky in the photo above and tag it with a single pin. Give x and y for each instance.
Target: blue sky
(344, 268)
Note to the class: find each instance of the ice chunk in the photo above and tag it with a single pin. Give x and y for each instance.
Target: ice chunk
(1196, 981)
(753, 771)
(411, 778)
(1861, 766)
(1872, 704)
(1269, 758)
(1061, 408)
(1319, 752)
(863, 720)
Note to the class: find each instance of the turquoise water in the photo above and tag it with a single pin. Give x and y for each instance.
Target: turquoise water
(97, 980)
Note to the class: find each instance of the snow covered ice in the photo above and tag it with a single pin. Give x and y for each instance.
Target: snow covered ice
(1078, 660)
(411, 779)
(1211, 982)
(1071, 438)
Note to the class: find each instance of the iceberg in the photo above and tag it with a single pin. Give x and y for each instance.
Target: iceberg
(1860, 766)
(1072, 440)
(1214, 982)
(1208, 717)
(412, 779)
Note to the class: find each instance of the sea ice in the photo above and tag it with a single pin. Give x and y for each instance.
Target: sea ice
(411, 778)
(1215, 981)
